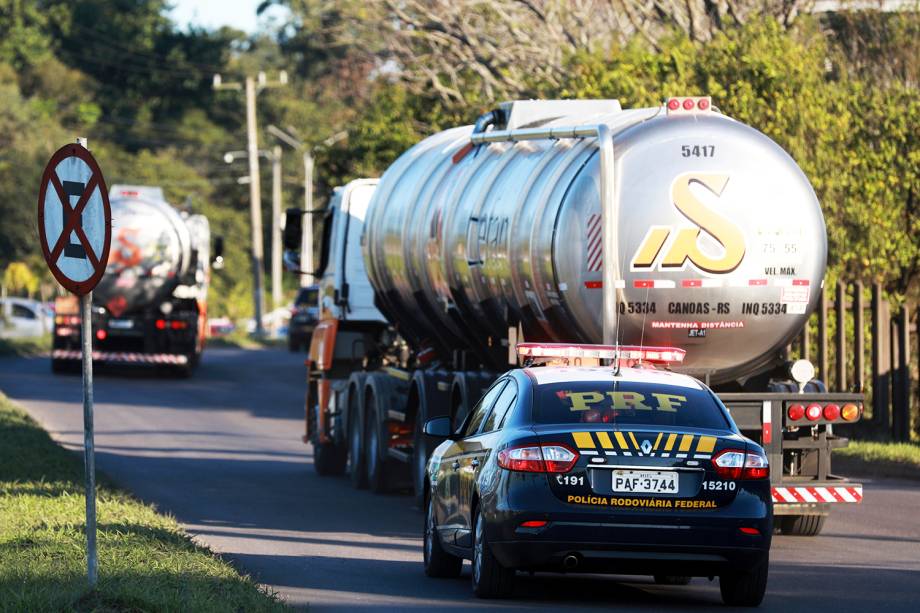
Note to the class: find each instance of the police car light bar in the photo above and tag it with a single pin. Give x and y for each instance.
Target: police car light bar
(658, 355)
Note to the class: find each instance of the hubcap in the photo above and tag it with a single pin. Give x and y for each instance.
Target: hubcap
(477, 550)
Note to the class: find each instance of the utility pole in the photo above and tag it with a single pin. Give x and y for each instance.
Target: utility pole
(306, 245)
(252, 88)
(276, 226)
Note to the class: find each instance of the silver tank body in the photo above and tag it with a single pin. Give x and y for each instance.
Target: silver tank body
(151, 253)
(721, 242)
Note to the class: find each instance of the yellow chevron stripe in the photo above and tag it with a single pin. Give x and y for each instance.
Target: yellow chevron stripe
(621, 441)
(685, 442)
(670, 444)
(706, 444)
(658, 440)
(604, 438)
(583, 440)
(633, 439)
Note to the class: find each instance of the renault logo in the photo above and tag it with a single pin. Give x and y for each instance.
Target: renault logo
(646, 446)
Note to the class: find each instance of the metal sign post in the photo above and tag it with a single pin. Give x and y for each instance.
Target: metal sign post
(75, 231)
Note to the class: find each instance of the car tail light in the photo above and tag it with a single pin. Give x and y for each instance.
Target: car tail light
(750, 531)
(551, 458)
(734, 464)
(796, 412)
(850, 412)
(831, 412)
(813, 412)
(534, 523)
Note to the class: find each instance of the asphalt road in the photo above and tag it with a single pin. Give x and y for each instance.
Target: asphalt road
(222, 452)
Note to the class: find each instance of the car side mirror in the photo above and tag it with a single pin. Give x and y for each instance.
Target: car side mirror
(439, 427)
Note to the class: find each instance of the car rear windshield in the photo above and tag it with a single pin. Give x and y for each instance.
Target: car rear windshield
(613, 402)
(308, 297)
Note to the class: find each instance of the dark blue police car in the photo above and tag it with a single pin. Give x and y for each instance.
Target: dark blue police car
(621, 469)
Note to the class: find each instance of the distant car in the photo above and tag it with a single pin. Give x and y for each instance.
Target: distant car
(221, 326)
(304, 316)
(23, 318)
(627, 470)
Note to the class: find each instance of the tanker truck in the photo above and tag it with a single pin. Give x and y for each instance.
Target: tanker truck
(150, 307)
(573, 222)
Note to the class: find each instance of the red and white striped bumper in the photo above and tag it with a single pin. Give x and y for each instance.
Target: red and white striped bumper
(818, 494)
(124, 357)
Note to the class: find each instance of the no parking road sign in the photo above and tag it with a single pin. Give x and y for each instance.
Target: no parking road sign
(75, 230)
(74, 219)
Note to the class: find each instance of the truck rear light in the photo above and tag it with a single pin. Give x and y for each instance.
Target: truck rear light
(178, 325)
(161, 324)
(813, 412)
(831, 412)
(689, 104)
(850, 412)
(683, 105)
(553, 458)
(673, 104)
(101, 334)
(67, 320)
(795, 412)
(734, 464)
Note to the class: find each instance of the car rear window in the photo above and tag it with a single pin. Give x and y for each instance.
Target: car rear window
(619, 402)
(309, 297)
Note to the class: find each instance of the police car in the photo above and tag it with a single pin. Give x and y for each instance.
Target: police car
(571, 465)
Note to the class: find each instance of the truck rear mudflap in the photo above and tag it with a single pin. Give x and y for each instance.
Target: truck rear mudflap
(813, 498)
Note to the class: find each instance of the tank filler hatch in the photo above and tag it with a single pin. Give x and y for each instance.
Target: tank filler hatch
(533, 113)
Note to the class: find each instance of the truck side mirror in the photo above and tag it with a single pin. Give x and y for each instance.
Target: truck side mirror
(217, 260)
(292, 234)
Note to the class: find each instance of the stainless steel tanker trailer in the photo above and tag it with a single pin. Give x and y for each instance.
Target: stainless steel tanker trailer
(150, 307)
(579, 222)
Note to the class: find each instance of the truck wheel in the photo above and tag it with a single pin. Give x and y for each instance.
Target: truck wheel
(490, 578)
(357, 470)
(419, 459)
(802, 525)
(329, 459)
(438, 563)
(746, 588)
(377, 473)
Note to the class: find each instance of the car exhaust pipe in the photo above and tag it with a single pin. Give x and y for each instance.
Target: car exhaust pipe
(570, 562)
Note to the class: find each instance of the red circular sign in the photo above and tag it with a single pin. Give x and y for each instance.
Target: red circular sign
(72, 173)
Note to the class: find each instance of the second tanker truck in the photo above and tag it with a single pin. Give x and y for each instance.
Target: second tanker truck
(150, 307)
(579, 222)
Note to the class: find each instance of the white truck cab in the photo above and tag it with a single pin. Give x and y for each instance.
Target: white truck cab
(345, 291)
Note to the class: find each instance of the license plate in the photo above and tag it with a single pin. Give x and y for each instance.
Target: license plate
(121, 324)
(645, 481)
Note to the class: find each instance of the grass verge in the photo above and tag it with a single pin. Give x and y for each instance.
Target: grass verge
(146, 561)
(864, 458)
(25, 346)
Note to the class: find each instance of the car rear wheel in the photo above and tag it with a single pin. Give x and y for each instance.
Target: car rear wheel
(802, 525)
(490, 578)
(438, 563)
(672, 580)
(745, 589)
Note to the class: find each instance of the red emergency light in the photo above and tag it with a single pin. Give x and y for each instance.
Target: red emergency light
(654, 355)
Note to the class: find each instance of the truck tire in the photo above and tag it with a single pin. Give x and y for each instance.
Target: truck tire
(802, 525)
(357, 466)
(745, 588)
(329, 459)
(438, 563)
(420, 458)
(375, 446)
